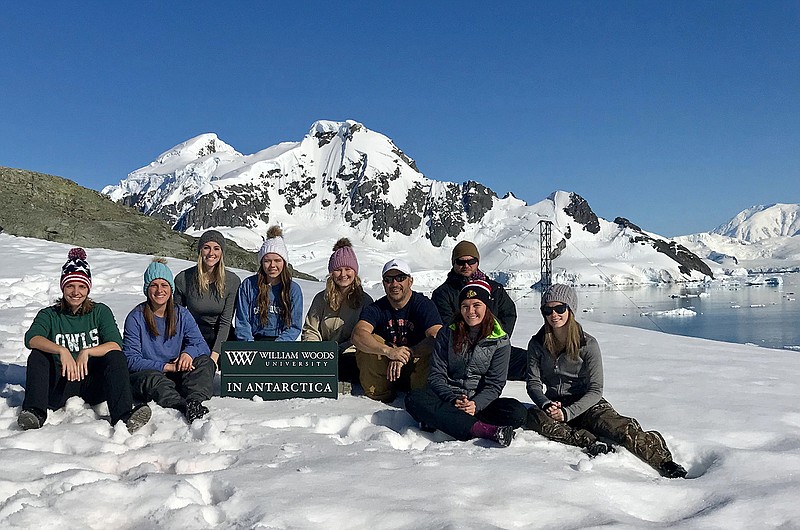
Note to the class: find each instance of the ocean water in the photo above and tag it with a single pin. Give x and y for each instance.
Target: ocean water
(764, 315)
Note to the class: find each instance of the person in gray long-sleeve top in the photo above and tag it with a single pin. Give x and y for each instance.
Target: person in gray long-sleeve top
(565, 382)
(208, 291)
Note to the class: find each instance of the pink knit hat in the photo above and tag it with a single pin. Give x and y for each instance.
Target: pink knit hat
(343, 256)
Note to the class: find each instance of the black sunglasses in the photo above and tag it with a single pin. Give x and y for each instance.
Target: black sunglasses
(470, 261)
(560, 309)
(396, 278)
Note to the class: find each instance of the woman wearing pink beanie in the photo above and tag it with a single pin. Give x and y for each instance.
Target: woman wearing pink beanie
(335, 311)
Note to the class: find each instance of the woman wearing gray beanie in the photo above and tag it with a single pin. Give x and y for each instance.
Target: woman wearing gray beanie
(208, 291)
(571, 408)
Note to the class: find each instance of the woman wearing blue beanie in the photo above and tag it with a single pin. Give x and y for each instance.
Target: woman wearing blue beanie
(167, 355)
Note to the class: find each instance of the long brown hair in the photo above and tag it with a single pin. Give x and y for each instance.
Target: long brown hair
(461, 338)
(262, 301)
(86, 306)
(574, 338)
(354, 296)
(170, 317)
(204, 279)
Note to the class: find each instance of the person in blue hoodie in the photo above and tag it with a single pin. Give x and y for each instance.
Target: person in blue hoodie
(467, 374)
(270, 304)
(168, 358)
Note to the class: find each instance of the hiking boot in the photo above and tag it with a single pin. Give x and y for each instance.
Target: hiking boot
(671, 469)
(195, 410)
(137, 418)
(598, 448)
(504, 435)
(30, 419)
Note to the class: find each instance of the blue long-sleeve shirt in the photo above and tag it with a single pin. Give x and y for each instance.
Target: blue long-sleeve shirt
(248, 320)
(145, 352)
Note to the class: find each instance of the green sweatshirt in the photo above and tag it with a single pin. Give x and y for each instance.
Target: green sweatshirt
(75, 332)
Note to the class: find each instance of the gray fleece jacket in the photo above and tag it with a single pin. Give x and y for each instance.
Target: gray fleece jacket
(577, 385)
(479, 374)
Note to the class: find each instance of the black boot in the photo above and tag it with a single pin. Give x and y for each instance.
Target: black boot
(137, 418)
(31, 418)
(671, 469)
(504, 435)
(195, 410)
(598, 448)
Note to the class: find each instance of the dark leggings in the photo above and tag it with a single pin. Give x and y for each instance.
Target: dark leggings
(107, 380)
(428, 408)
(174, 389)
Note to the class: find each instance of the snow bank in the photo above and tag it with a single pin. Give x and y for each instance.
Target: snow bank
(354, 463)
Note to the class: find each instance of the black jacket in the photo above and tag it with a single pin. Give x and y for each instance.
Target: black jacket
(446, 299)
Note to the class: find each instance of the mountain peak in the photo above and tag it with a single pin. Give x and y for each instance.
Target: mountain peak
(763, 222)
(198, 147)
(343, 180)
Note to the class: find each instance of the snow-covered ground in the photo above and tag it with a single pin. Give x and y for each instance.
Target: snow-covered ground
(727, 411)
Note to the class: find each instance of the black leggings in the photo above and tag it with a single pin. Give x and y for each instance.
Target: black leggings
(428, 408)
(107, 380)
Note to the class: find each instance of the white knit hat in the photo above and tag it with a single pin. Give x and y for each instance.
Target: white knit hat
(274, 244)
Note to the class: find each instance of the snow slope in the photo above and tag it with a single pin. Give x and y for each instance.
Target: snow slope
(727, 411)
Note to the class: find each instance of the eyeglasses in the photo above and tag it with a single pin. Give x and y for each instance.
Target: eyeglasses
(399, 278)
(463, 262)
(560, 309)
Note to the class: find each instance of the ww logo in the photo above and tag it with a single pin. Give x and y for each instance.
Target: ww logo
(239, 358)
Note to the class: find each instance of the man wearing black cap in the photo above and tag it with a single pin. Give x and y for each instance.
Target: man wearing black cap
(465, 260)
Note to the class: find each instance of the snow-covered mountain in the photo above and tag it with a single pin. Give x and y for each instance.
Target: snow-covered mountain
(342, 179)
(763, 222)
(760, 237)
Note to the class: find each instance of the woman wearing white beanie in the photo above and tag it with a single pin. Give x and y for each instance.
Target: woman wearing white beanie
(270, 304)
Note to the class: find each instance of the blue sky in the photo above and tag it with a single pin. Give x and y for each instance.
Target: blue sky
(676, 115)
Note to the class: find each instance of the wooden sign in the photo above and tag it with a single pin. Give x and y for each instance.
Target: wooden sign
(279, 370)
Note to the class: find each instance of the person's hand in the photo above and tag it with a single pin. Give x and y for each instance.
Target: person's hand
(466, 405)
(83, 364)
(399, 353)
(215, 357)
(69, 368)
(184, 363)
(393, 370)
(553, 409)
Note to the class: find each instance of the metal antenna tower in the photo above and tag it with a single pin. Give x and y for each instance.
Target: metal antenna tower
(546, 249)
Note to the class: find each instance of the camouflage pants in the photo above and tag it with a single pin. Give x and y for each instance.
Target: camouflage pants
(372, 375)
(602, 421)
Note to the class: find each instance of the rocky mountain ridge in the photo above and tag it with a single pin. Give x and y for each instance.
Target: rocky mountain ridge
(343, 179)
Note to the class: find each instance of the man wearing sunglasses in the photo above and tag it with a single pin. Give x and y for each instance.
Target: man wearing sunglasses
(465, 260)
(395, 336)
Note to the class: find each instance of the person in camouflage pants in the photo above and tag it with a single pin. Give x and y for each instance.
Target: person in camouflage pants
(565, 382)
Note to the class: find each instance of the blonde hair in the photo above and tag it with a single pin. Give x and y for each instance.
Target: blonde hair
(354, 296)
(573, 341)
(204, 279)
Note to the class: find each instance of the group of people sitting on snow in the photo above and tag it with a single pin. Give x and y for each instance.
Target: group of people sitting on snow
(450, 353)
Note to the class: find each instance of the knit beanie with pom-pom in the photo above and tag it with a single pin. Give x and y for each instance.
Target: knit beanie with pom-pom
(274, 244)
(76, 269)
(343, 256)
